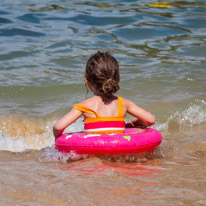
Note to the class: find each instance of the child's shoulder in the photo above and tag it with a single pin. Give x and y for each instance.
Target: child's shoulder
(127, 101)
(86, 102)
(128, 104)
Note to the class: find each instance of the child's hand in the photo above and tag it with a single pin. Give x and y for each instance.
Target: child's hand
(136, 123)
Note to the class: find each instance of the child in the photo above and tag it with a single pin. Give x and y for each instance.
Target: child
(104, 112)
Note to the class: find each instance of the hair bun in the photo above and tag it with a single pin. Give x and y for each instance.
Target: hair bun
(110, 86)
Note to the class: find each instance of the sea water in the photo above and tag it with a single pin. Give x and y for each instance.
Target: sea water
(161, 49)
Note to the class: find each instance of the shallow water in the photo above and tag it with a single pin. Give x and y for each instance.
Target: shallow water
(44, 46)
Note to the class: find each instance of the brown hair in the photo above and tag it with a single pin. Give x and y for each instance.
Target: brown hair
(102, 71)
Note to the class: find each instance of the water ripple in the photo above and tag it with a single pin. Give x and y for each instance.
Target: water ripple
(29, 18)
(5, 21)
(20, 32)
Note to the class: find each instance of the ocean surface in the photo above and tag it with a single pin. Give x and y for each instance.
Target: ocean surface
(161, 49)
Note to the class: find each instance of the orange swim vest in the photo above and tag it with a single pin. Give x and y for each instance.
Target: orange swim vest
(103, 125)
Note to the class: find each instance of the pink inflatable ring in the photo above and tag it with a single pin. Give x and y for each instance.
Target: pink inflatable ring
(132, 141)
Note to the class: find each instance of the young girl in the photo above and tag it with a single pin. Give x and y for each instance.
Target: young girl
(104, 112)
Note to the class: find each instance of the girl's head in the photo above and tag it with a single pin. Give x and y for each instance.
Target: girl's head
(102, 72)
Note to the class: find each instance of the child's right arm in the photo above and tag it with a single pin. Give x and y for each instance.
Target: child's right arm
(142, 117)
(65, 121)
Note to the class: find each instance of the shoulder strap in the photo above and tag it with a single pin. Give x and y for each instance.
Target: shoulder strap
(85, 109)
(120, 107)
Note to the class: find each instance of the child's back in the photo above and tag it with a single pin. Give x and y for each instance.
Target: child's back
(104, 110)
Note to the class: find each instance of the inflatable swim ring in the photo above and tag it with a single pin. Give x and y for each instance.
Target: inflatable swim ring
(134, 140)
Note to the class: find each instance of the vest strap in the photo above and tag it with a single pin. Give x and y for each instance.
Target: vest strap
(85, 109)
(120, 106)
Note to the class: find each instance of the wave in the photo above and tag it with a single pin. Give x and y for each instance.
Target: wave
(18, 133)
(183, 118)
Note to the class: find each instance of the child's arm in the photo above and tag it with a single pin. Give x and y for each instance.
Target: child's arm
(65, 121)
(142, 117)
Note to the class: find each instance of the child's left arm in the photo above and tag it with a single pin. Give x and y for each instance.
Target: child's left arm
(142, 118)
(65, 121)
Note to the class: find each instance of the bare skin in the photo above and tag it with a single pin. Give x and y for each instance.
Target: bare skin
(141, 116)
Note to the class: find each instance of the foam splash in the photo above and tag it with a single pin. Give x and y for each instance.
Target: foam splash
(51, 154)
(35, 142)
(194, 114)
(10, 144)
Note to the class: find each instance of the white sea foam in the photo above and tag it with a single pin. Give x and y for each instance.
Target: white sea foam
(194, 114)
(51, 154)
(21, 144)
